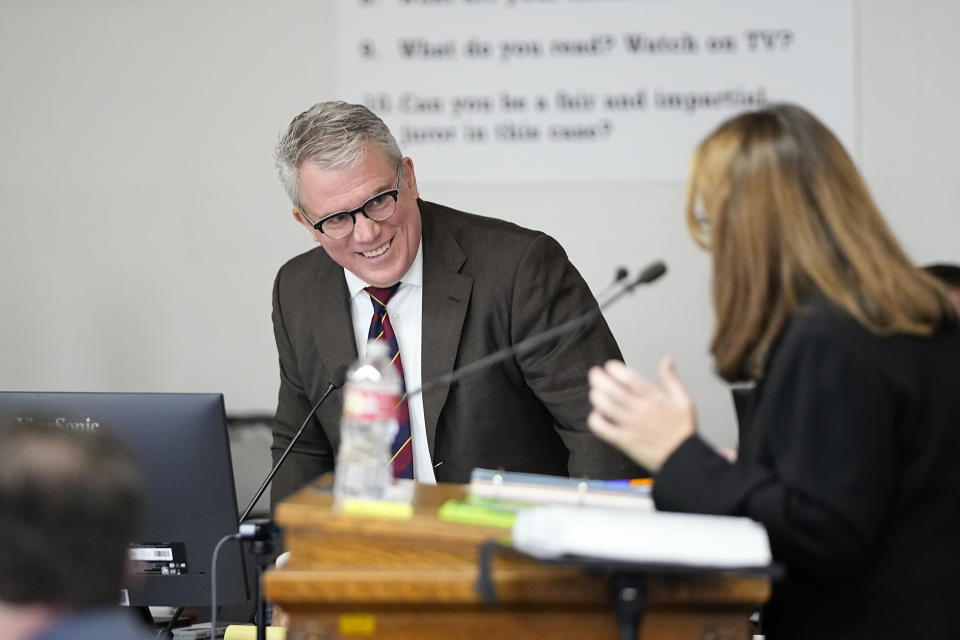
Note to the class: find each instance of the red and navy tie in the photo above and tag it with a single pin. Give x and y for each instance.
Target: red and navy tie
(381, 329)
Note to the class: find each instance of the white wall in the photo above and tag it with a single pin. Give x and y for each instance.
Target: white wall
(142, 223)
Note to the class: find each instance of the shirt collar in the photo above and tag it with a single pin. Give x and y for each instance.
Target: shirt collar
(413, 276)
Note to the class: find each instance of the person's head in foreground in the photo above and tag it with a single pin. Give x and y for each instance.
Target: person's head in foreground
(69, 505)
(779, 204)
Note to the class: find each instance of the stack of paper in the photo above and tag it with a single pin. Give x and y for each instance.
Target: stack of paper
(545, 489)
(642, 536)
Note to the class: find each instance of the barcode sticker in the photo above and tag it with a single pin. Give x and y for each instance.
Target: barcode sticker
(158, 558)
(148, 554)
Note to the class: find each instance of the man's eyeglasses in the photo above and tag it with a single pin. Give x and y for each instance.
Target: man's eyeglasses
(377, 208)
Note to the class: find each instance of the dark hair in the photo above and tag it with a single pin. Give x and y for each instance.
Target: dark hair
(949, 274)
(69, 506)
(784, 211)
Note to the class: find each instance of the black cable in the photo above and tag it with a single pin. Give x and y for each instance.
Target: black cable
(167, 631)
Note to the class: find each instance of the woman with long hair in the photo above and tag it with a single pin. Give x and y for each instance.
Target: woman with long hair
(850, 450)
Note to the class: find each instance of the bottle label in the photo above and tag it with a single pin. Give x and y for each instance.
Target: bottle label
(367, 404)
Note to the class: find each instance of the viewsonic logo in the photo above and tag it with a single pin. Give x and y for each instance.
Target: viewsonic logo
(86, 425)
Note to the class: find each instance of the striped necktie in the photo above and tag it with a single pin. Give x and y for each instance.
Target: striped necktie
(382, 330)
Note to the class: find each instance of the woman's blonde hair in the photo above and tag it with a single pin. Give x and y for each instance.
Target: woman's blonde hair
(782, 208)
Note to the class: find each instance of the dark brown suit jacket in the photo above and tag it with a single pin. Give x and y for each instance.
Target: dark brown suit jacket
(486, 284)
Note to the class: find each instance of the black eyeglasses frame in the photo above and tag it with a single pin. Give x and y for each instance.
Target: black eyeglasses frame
(389, 193)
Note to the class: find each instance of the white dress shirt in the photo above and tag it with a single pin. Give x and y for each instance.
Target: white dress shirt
(406, 313)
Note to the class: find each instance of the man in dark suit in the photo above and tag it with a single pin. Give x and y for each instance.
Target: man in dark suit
(468, 286)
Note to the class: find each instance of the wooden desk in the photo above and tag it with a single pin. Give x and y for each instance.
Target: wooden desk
(362, 577)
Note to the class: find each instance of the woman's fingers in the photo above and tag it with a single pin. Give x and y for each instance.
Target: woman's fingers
(616, 401)
(671, 381)
(601, 426)
(628, 377)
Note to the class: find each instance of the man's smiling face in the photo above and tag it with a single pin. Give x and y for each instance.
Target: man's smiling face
(378, 253)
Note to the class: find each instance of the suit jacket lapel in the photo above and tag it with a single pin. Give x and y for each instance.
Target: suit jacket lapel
(446, 296)
(328, 308)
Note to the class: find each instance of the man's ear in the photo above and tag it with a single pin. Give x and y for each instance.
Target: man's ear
(302, 219)
(409, 177)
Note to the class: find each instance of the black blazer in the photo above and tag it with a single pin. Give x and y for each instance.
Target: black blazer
(851, 459)
(486, 284)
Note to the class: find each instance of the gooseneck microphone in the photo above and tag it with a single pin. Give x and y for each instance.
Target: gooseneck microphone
(339, 377)
(650, 273)
(619, 276)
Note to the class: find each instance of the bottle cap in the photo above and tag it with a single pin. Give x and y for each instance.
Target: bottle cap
(377, 349)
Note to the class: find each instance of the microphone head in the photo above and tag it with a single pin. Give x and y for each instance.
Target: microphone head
(653, 271)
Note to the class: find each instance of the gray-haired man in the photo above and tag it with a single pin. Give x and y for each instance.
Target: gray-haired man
(468, 285)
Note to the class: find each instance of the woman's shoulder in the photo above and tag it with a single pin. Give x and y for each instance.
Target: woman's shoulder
(819, 319)
(822, 329)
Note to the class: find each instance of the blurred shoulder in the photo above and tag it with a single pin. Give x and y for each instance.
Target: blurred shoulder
(823, 331)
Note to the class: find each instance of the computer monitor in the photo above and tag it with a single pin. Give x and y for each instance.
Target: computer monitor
(180, 441)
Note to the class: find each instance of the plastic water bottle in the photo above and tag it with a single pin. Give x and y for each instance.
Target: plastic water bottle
(368, 427)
